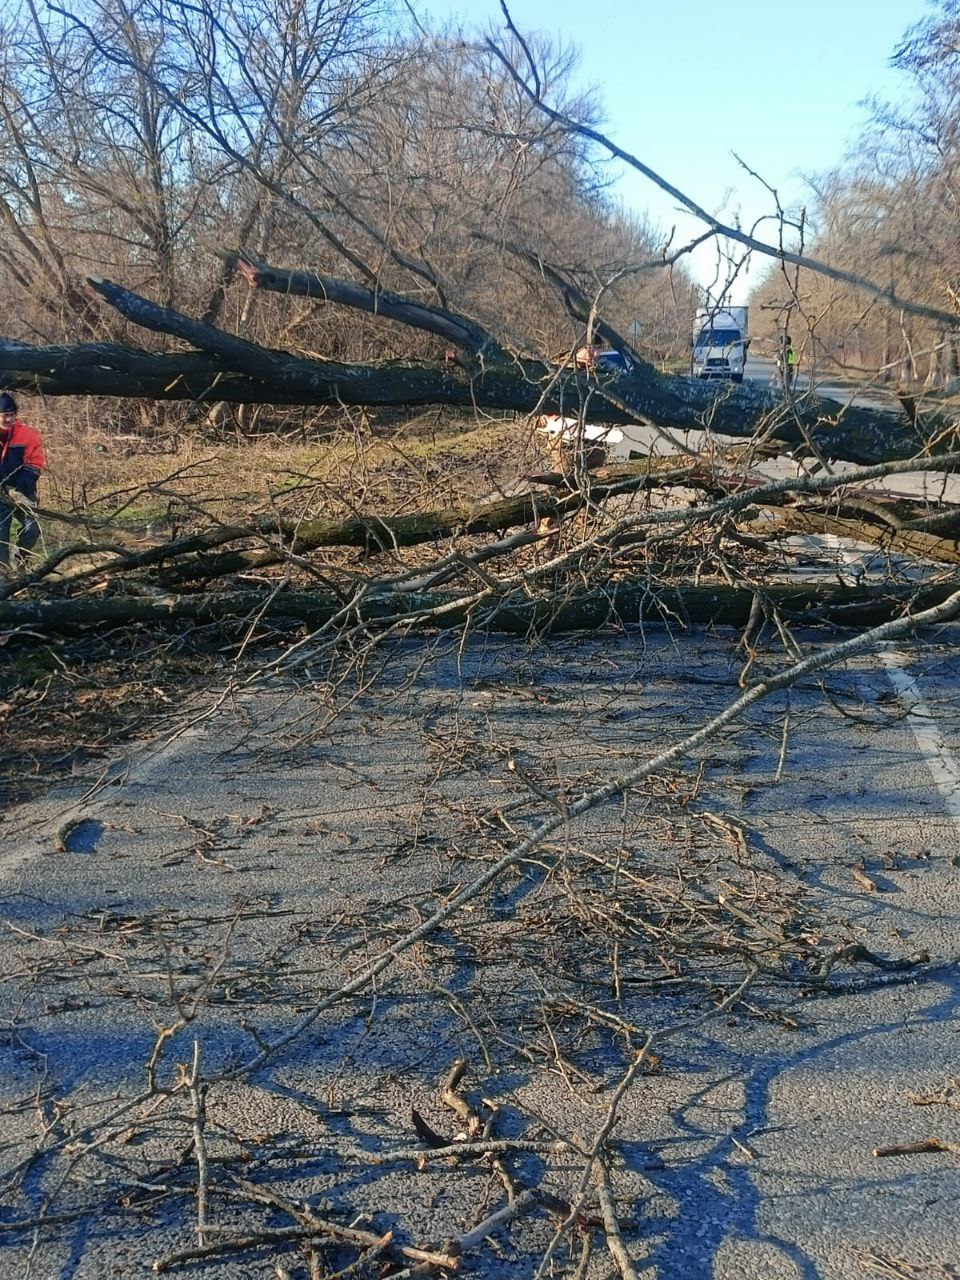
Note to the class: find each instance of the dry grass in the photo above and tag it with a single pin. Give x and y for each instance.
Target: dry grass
(135, 482)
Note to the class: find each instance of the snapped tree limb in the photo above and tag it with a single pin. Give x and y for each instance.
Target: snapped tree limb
(227, 368)
(574, 610)
(418, 315)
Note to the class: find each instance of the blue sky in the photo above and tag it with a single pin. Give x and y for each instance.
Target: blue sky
(686, 82)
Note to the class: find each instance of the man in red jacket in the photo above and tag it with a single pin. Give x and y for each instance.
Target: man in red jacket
(21, 461)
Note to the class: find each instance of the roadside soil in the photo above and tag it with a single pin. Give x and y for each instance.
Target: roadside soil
(67, 704)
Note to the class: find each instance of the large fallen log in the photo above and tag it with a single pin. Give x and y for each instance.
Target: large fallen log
(199, 555)
(374, 534)
(227, 368)
(621, 604)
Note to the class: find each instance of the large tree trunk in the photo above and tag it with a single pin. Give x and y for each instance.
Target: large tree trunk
(232, 369)
(622, 603)
(838, 431)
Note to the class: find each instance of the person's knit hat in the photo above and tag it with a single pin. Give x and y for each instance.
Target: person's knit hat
(7, 403)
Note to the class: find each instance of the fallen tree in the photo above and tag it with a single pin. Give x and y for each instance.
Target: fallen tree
(235, 370)
(621, 604)
(732, 503)
(692, 539)
(576, 551)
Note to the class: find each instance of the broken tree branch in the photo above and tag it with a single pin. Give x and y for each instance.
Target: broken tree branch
(622, 602)
(231, 369)
(417, 315)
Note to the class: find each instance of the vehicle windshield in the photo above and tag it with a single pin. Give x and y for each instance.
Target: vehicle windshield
(717, 337)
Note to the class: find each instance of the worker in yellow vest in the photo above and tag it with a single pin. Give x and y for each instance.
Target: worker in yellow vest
(786, 363)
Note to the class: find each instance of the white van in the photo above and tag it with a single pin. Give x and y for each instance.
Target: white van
(720, 343)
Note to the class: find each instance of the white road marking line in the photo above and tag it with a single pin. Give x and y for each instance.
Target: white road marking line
(940, 760)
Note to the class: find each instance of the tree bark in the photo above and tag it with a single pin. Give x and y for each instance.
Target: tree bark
(374, 534)
(417, 315)
(841, 432)
(623, 603)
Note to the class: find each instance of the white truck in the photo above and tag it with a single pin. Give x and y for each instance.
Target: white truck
(720, 343)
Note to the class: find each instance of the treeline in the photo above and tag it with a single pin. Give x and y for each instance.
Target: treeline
(892, 214)
(146, 140)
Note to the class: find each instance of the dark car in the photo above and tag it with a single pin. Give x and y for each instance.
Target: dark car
(614, 362)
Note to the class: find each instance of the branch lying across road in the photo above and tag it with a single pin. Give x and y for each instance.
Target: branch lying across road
(867, 515)
(620, 603)
(729, 494)
(228, 368)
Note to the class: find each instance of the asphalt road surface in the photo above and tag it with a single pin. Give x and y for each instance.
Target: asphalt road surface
(762, 370)
(218, 882)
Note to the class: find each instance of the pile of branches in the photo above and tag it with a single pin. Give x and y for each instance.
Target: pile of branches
(693, 534)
